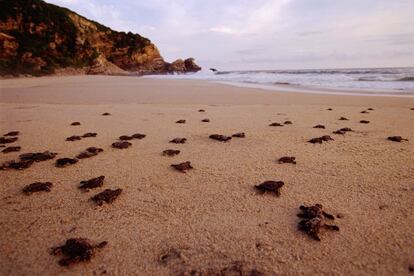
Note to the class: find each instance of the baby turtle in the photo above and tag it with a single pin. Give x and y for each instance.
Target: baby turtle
(170, 152)
(239, 135)
(180, 122)
(17, 165)
(89, 152)
(270, 186)
(178, 140)
(73, 138)
(75, 124)
(329, 109)
(12, 133)
(313, 220)
(319, 126)
(77, 250)
(37, 156)
(396, 139)
(339, 132)
(125, 138)
(92, 183)
(370, 109)
(138, 136)
(182, 167)
(89, 134)
(201, 110)
(276, 124)
(121, 145)
(288, 122)
(205, 120)
(364, 112)
(63, 162)
(343, 119)
(37, 187)
(107, 196)
(346, 129)
(106, 114)
(11, 149)
(5, 140)
(321, 139)
(219, 137)
(364, 122)
(287, 159)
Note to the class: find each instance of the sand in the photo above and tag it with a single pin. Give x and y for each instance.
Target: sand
(211, 215)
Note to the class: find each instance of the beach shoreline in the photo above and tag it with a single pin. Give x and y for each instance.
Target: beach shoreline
(211, 215)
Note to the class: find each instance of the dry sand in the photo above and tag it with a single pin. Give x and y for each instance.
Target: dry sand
(212, 214)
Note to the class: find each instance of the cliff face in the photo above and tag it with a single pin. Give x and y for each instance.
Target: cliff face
(38, 38)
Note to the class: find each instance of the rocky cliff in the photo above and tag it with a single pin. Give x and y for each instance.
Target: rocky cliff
(38, 38)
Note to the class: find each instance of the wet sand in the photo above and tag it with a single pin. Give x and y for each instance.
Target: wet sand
(212, 214)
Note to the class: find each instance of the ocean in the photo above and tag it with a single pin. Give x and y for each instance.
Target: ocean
(383, 81)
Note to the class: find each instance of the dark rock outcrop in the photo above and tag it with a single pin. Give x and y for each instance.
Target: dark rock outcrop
(37, 38)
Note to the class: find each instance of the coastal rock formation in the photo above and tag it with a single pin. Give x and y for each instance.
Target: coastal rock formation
(37, 38)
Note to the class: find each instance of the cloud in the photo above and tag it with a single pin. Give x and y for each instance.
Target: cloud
(266, 34)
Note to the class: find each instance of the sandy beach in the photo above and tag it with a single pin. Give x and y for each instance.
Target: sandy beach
(209, 220)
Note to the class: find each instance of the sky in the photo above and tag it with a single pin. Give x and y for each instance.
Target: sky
(266, 34)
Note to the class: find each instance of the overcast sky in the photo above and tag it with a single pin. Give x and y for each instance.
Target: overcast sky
(266, 34)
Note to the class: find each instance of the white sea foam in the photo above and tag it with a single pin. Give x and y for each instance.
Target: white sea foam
(398, 81)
